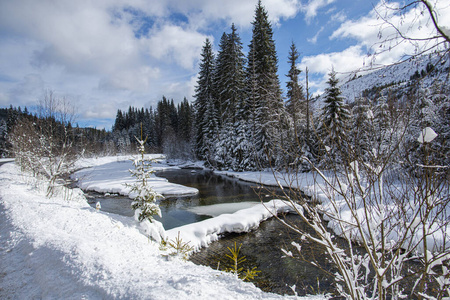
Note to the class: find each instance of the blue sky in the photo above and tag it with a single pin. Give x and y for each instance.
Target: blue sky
(106, 55)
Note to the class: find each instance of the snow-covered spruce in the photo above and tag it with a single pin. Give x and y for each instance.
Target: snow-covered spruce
(145, 197)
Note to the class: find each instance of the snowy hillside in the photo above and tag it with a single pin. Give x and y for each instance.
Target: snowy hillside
(396, 76)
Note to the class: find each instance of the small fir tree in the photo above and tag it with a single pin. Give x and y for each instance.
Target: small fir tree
(145, 201)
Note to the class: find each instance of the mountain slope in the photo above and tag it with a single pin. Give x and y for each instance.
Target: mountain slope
(397, 77)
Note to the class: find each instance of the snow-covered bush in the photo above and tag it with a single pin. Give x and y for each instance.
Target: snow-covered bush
(145, 198)
(43, 146)
(393, 221)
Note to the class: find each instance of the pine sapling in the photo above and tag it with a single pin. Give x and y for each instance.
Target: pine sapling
(177, 248)
(145, 198)
(236, 261)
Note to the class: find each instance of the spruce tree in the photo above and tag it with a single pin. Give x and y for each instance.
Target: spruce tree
(229, 87)
(295, 106)
(219, 80)
(145, 200)
(204, 106)
(264, 92)
(334, 119)
(294, 89)
(119, 123)
(362, 134)
(230, 76)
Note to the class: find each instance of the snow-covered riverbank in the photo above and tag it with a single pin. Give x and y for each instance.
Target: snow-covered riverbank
(111, 176)
(64, 249)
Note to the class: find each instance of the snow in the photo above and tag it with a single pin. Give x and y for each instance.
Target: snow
(201, 234)
(236, 217)
(5, 160)
(111, 174)
(319, 187)
(56, 248)
(394, 76)
(64, 249)
(426, 135)
(219, 209)
(269, 178)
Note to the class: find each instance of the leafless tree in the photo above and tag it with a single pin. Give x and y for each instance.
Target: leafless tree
(43, 145)
(414, 26)
(383, 225)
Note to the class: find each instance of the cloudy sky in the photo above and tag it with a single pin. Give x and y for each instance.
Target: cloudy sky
(106, 55)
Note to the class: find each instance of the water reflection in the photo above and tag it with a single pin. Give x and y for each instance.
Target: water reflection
(213, 189)
(262, 249)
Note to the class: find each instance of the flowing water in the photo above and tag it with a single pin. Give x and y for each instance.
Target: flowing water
(226, 194)
(262, 247)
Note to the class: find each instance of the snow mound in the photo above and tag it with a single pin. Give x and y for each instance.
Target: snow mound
(201, 234)
(216, 210)
(113, 176)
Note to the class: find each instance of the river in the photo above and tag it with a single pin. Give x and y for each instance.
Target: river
(261, 247)
(226, 194)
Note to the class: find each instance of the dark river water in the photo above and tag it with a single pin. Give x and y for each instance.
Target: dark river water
(213, 189)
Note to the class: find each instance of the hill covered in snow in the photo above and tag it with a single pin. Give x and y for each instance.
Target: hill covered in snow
(426, 70)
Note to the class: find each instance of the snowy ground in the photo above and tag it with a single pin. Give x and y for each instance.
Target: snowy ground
(399, 73)
(109, 175)
(60, 248)
(64, 249)
(5, 160)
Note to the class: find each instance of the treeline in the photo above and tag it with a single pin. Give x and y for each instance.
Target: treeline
(89, 141)
(167, 129)
(240, 112)
(241, 121)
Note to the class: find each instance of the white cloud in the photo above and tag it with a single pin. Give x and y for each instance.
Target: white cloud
(176, 43)
(348, 60)
(100, 111)
(89, 49)
(312, 7)
(79, 37)
(203, 12)
(282, 9)
(138, 79)
(383, 40)
(339, 17)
